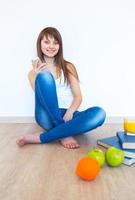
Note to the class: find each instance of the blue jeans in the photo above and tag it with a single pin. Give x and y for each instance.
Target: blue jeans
(49, 116)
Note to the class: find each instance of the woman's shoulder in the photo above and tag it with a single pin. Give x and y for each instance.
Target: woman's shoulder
(70, 66)
(72, 70)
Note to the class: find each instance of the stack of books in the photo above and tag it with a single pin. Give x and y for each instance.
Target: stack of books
(124, 141)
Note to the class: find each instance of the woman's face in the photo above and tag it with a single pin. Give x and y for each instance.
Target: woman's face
(49, 46)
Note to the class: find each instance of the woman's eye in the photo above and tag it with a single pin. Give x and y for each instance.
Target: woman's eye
(46, 42)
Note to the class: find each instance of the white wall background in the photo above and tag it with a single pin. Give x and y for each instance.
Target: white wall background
(98, 37)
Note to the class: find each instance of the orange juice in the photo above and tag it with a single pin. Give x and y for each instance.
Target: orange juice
(129, 125)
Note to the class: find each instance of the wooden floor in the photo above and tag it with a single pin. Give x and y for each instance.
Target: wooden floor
(47, 171)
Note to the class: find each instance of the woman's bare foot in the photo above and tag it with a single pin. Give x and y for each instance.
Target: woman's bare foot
(69, 143)
(28, 139)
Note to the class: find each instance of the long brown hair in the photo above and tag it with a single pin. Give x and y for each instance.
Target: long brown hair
(61, 63)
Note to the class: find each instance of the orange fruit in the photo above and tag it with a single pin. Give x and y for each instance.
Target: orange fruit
(87, 168)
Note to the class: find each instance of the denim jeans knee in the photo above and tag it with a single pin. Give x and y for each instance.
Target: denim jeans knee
(44, 75)
(101, 115)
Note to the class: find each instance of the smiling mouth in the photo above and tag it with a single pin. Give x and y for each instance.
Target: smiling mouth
(50, 51)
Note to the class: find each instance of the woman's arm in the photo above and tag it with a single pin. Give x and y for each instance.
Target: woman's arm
(74, 84)
(32, 77)
(75, 89)
(38, 66)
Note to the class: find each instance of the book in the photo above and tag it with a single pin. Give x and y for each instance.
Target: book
(127, 141)
(129, 133)
(114, 141)
(128, 161)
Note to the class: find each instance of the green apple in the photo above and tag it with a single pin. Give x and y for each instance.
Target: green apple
(97, 154)
(114, 156)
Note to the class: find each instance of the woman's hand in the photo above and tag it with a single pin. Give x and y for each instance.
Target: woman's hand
(68, 115)
(38, 66)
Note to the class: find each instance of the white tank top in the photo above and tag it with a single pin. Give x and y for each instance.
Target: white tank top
(64, 92)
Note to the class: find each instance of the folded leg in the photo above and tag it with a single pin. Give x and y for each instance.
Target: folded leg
(82, 122)
(46, 102)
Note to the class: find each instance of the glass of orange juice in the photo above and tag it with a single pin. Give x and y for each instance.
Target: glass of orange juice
(129, 125)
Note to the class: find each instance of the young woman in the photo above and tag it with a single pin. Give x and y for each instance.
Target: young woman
(58, 96)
